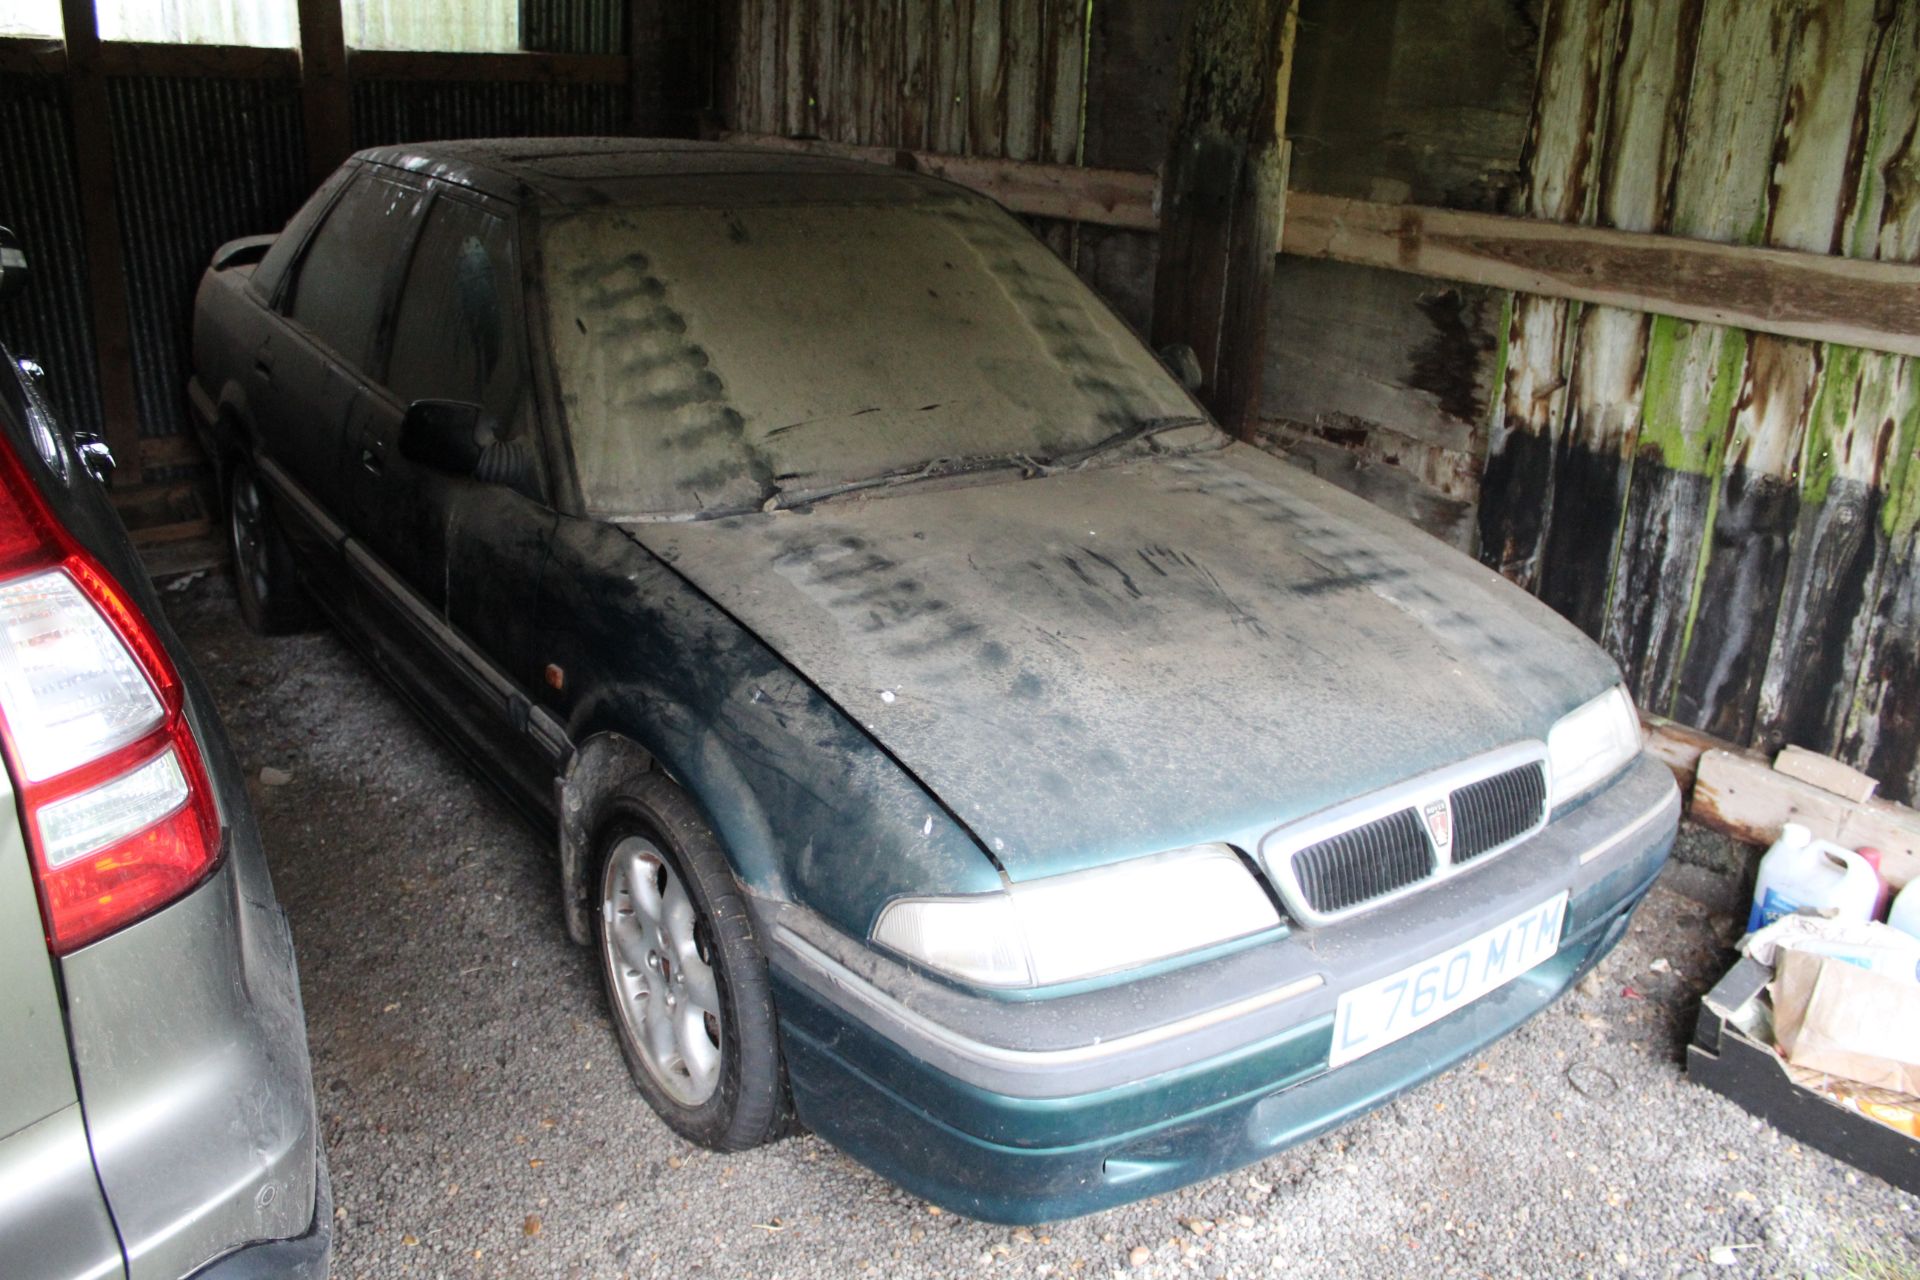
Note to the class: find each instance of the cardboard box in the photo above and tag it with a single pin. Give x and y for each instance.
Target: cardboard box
(1726, 1057)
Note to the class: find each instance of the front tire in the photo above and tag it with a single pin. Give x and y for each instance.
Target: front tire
(685, 980)
(271, 598)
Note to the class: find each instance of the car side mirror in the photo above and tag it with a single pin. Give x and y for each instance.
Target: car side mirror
(1180, 358)
(443, 434)
(13, 265)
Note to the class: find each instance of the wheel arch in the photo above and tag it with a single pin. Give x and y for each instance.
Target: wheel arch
(608, 760)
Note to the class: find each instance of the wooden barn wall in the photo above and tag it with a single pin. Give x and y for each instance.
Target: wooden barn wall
(1732, 514)
(998, 78)
(40, 200)
(1400, 102)
(201, 159)
(197, 162)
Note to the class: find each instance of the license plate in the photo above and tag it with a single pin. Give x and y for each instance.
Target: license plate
(1373, 1016)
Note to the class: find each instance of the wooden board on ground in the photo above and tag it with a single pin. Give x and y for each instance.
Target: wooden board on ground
(1743, 796)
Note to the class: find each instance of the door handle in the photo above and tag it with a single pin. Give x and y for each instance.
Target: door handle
(263, 361)
(372, 461)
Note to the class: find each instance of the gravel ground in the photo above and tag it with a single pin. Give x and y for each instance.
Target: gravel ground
(480, 1122)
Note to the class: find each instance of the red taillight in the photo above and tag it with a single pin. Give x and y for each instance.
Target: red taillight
(113, 792)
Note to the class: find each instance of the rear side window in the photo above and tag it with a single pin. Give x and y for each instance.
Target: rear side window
(338, 293)
(456, 335)
(266, 277)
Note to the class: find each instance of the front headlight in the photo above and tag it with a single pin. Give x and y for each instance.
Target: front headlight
(1087, 923)
(1592, 742)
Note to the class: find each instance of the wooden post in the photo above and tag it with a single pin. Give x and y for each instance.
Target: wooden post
(1224, 196)
(100, 230)
(646, 40)
(324, 95)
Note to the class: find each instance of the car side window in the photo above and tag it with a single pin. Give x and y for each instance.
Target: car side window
(341, 281)
(273, 267)
(457, 334)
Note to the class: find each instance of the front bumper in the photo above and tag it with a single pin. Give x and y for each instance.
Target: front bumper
(1034, 1110)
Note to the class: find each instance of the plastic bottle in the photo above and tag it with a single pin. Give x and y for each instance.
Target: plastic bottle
(1872, 857)
(1905, 915)
(1803, 874)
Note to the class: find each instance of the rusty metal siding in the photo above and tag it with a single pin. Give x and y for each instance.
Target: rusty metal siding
(197, 162)
(52, 322)
(393, 111)
(573, 26)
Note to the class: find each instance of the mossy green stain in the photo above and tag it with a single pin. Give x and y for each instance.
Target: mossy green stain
(1500, 352)
(1900, 514)
(1840, 369)
(1665, 431)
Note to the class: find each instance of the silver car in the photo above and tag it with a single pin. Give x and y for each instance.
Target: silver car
(156, 1105)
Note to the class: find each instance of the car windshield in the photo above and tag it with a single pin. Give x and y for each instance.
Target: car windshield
(714, 359)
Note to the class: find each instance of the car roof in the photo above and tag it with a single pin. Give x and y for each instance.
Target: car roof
(578, 172)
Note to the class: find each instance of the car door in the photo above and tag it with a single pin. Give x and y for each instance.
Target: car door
(450, 564)
(309, 375)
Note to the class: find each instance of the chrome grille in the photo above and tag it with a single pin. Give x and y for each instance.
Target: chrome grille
(1375, 848)
(1364, 863)
(1493, 811)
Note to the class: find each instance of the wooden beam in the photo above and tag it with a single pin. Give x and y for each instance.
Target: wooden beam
(31, 56)
(482, 68)
(1224, 194)
(100, 230)
(325, 95)
(1111, 197)
(220, 61)
(1740, 794)
(1850, 301)
(1857, 302)
(646, 67)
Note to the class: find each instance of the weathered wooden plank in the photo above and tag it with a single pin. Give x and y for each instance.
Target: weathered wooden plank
(916, 23)
(1826, 773)
(1560, 165)
(1680, 747)
(1756, 507)
(1840, 545)
(1695, 372)
(1801, 295)
(987, 80)
(482, 68)
(1883, 728)
(1224, 194)
(1113, 197)
(225, 62)
(1840, 548)
(100, 229)
(1063, 55)
(884, 69)
(31, 56)
(1594, 460)
(1025, 34)
(1743, 796)
(950, 61)
(796, 33)
(828, 110)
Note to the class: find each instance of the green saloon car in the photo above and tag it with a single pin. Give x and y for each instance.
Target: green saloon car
(954, 743)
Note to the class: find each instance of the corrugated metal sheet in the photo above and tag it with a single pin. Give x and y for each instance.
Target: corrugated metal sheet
(197, 163)
(390, 111)
(573, 26)
(38, 199)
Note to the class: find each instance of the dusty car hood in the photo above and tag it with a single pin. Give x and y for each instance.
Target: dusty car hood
(1090, 665)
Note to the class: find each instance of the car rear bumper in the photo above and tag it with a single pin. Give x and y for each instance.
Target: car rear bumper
(1029, 1111)
(190, 1046)
(304, 1257)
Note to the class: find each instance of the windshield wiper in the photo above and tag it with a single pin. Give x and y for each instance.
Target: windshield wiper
(936, 469)
(1145, 429)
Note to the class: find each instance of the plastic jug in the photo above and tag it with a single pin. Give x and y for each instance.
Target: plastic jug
(1803, 874)
(1905, 915)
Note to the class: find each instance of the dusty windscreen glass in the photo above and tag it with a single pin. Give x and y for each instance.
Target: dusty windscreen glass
(712, 358)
